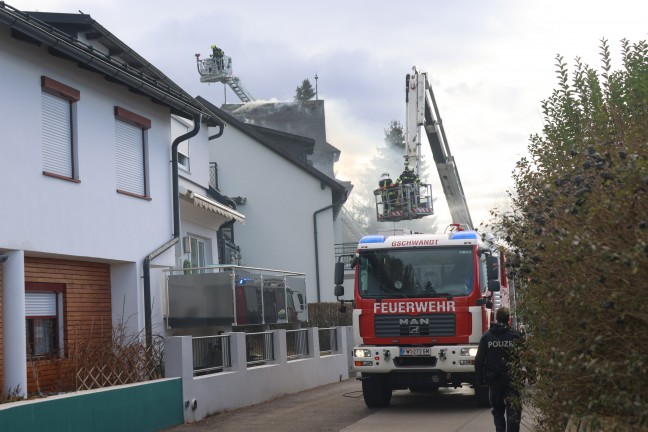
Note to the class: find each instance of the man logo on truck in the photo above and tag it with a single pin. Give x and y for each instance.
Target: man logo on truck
(414, 325)
(414, 321)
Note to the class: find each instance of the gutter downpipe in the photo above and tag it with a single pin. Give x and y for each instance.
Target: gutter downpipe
(317, 272)
(221, 127)
(176, 228)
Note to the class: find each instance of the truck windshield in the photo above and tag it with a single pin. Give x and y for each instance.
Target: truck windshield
(419, 272)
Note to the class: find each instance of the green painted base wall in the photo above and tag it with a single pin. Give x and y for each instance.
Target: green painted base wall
(149, 406)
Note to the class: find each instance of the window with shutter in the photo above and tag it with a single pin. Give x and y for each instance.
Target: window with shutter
(43, 318)
(179, 128)
(131, 153)
(129, 148)
(58, 129)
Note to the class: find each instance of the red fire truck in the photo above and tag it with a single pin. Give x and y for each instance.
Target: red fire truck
(421, 302)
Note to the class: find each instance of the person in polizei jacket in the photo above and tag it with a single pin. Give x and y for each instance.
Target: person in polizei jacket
(492, 365)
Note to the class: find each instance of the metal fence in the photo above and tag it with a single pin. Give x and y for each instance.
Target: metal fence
(345, 252)
(328, 340)
(259, 348)
(211, 354)
(297, 344)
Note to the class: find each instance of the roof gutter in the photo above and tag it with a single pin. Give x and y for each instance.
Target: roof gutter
(54, 38)
(148, 325)
(317, 272)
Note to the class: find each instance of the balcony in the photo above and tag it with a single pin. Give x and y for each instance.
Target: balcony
(228, 297)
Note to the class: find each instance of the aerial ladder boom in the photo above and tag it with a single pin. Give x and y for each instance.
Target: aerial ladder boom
(423, 112)
(219, 69)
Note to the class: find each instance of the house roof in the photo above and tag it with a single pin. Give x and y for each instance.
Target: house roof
(60, 33)
(298, 145)
(306, 118)
(339, 189)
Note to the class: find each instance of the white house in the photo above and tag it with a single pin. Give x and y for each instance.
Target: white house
(88, 216)
(290, 206)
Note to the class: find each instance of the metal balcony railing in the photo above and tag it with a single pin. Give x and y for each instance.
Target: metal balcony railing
(344, 252)
(231, 295)
(213, 175)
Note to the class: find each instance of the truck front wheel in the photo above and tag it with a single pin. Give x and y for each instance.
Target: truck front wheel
(376, 392)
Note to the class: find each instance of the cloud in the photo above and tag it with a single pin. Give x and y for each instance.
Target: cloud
(490, 63)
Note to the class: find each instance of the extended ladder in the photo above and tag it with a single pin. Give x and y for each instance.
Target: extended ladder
(219, 69)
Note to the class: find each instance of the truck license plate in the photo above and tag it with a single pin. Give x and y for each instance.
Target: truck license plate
(416, 351)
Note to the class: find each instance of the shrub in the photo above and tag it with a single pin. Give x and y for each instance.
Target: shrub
(324, 315)
(579, 241)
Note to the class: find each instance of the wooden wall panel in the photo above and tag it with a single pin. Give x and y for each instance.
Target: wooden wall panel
(86, 311)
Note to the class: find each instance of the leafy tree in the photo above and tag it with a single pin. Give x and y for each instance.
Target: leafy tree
(305, 91)
(395, 136)
(579, 245)
(389, 159)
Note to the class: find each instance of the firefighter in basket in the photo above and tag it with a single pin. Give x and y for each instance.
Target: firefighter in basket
(388, 193)
(218, 54)
(408, 183)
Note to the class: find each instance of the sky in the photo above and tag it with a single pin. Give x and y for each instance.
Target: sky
(490, 64)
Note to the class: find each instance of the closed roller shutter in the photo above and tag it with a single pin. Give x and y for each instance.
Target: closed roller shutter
(129, 147)
(57, 135)
(40, 304)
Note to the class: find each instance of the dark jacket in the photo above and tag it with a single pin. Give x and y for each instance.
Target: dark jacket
(408, 177)
(494, 354)
(385, 183)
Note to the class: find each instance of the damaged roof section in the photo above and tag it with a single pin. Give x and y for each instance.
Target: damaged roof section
(304, 118)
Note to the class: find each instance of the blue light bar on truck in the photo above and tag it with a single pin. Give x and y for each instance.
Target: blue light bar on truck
(463, 235)
(372, 239)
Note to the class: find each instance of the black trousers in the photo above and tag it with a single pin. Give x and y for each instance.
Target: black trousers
(505, 412)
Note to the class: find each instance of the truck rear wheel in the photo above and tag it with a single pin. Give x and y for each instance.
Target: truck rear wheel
(376, 391)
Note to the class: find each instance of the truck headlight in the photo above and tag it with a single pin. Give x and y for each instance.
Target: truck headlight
(361, 352)
(472, 352)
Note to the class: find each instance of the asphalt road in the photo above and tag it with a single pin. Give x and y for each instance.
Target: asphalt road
(340, 407)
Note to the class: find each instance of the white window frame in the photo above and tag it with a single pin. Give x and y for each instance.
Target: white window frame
(131, 153)
(59, 130)
(45, 301)
(179, 127)
(199, 248)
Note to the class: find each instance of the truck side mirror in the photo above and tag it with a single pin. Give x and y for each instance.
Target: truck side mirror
(300, 298)
(493, 285)
(339, 291)
(492, 268)
(339, 273)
